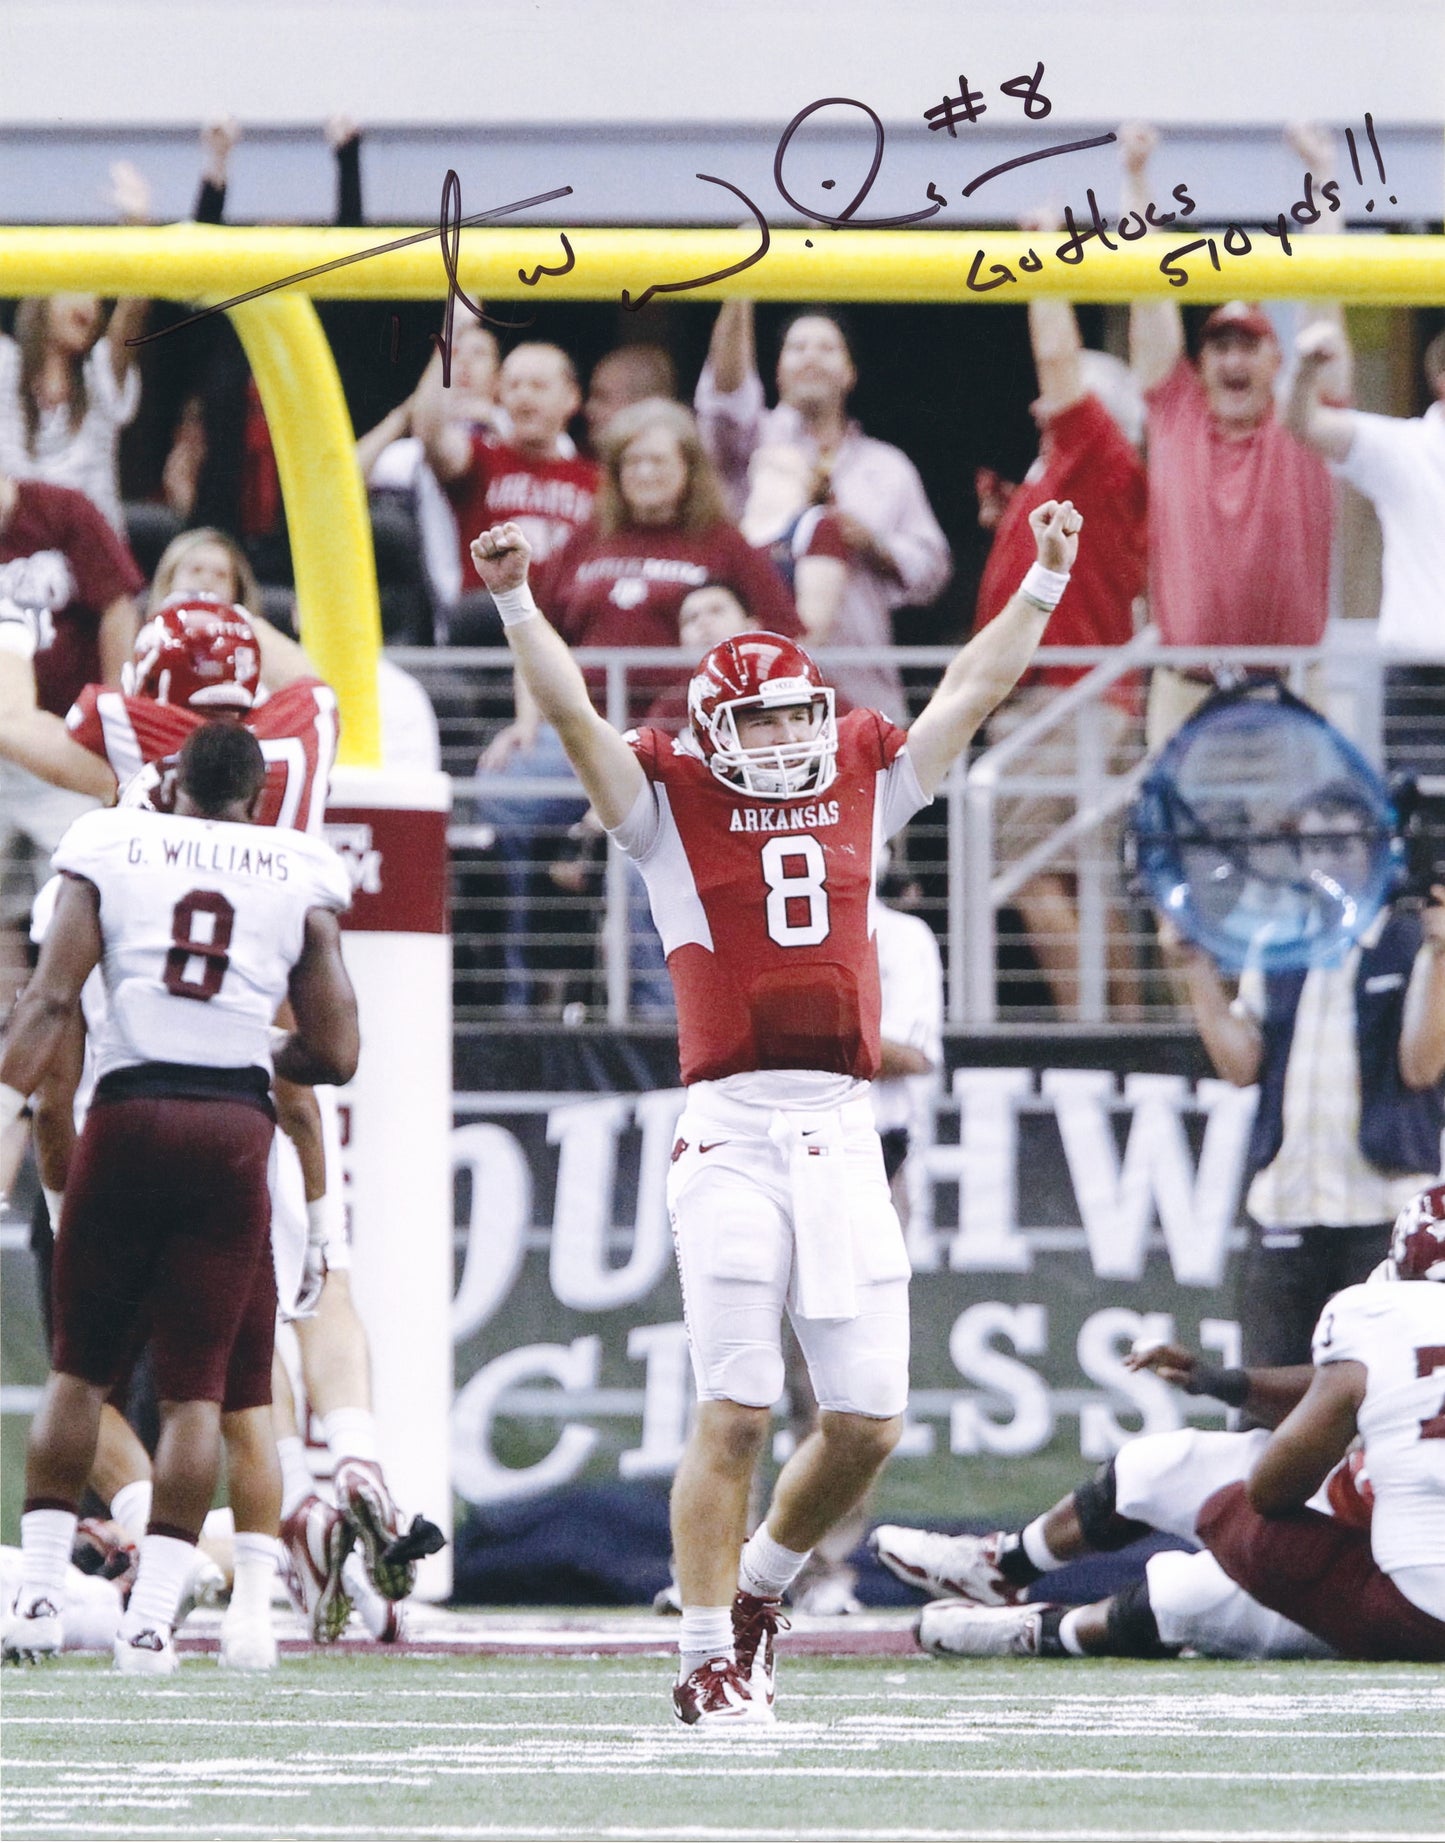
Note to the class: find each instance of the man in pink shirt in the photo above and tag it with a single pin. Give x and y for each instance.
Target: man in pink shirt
(1240, 510)
(897, 553)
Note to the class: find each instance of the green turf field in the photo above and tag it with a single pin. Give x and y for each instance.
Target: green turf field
(339, 1746)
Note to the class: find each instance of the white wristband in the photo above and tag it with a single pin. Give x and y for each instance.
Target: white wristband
(321, 1219)
(12, 1105)
(1045, 588)
(515, 605)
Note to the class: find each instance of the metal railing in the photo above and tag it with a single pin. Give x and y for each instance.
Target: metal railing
(548, 924)
(963, 868)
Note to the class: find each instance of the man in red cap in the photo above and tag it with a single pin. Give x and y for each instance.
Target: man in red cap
(1239, 508)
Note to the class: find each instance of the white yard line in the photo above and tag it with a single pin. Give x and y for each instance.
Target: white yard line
(701, 1833)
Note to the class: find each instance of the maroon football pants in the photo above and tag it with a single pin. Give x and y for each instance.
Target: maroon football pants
(167, 1217)
(1322, 1575)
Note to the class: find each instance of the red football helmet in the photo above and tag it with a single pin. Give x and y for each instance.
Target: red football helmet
(1417, 1243)
(762, 672)
(196, 651)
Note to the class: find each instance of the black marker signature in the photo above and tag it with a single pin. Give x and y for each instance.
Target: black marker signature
(564, 268)
(1047, 153)
(449, 233)
(325, 268)
(717, 275)
(845, 217)
(1236, 241)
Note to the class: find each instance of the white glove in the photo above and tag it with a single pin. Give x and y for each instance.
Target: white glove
(19, 629)
(313, 1267)
(313, 1278)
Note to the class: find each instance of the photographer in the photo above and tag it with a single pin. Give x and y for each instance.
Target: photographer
(1349, 1060)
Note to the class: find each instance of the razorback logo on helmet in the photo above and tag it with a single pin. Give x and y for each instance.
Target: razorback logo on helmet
(762, 671)
(1417, 1242)
(198, 652)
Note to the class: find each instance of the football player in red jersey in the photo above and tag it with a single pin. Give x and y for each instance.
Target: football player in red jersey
(757, 832)
(195, 657)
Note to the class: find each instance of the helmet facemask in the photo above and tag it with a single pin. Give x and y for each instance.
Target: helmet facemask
(776, 771)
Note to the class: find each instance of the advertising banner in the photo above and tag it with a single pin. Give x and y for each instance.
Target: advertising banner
(1072, 1198)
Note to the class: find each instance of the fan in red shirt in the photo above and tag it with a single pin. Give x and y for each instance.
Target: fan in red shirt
(757, 832)
(536, 476)
(59, 557)
(1240, 509)
(1090, 418)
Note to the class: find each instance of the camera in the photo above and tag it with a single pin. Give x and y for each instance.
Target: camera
(1419, 801)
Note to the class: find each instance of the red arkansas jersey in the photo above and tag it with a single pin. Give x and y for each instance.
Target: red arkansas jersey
(296, 728)
(766, 910)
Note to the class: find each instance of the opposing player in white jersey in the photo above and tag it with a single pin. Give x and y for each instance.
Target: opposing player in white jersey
(203, 924)
(757, 833)
(1358, 1568)
(198, 657)
(1379, 1371)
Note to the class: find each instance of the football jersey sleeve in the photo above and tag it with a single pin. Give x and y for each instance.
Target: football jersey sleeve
(885, 750)
(91, 841)
(638, 832)
(1349, 1326)
(83, 720)
(331, 885)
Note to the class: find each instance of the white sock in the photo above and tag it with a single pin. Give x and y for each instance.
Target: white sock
(220, 1525)
(131, 1508)
(1038, 1550)
(1068, 1632)
(707, 1632)
(351, 1434)
(767, 1568)
(255, 1570)
(297, 1484)
(46, 1537)
(164, 1573)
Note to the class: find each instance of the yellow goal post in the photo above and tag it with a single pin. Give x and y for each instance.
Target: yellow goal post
(301, 391)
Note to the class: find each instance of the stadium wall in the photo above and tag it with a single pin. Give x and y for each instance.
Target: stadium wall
(562, 62)
(1078, 1193)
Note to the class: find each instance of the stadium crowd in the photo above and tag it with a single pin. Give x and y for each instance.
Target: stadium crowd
(1207, 474)
(1185, 488)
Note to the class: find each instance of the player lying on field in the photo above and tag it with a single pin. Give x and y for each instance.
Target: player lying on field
(757, 832)
(1201, 1486)
(96, 1587)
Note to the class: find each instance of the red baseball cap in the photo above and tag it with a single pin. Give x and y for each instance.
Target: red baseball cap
(1245, 317)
